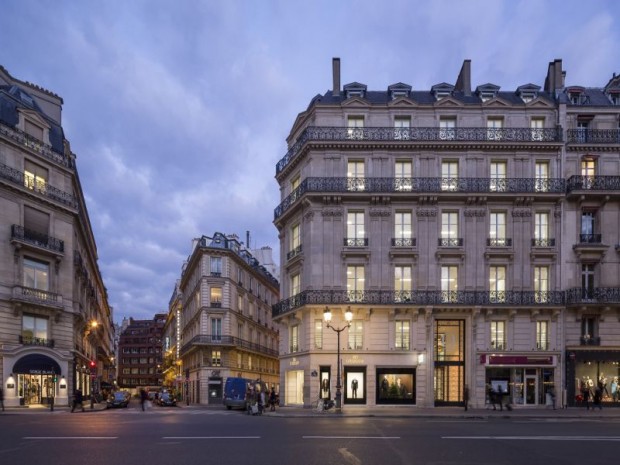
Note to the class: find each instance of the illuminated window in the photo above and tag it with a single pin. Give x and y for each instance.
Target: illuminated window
(355, 127)
(402, 338)
(542, 335)
(35, 177)
(355, 176)
(294, 339)
(449, 175)
(541, 175)
(355, 282)
(216, 296)
(497, 284)
(498, 335)
(402, 175)
(449, 283)
(295, 284)
(541, 283)
(402, 283)
(216, 358)
(356, 335)
(498, 177)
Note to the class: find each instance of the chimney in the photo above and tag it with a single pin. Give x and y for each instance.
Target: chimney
(336, 74)
(559, 81)
(463, 82)
(550, 79)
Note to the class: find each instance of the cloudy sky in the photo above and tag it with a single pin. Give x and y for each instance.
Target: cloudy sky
(178, 110)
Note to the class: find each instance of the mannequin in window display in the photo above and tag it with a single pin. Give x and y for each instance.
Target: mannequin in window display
(325, 388)
(602, 382)
(384, 387)
(354, 385)
(402, 389)
(614, 389)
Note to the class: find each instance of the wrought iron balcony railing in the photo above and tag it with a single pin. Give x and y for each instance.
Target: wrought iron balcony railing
(215, 304)
(499, 242)
(450, 242)
(424, 134)
(209, 340)
(593, 136)
(36, 341)
(590, 238)
(543, 242)
(37, 296)
(36, 145)
(17, 177)
(40, 240)
(355, 242)
(403, 242)
(590, 341)
(592, 183)
(598, 295)
(422, 186)
(435, 297)
(295, 252)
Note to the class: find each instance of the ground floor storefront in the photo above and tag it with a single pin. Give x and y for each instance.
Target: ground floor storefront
(589, 370)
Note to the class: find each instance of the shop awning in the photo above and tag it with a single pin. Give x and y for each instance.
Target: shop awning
(36, 364)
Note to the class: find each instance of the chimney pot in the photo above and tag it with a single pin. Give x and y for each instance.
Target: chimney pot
(336, 75)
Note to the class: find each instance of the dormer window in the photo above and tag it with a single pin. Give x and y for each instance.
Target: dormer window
(614, 96)
(441, 91)
(485, 96)
(355, 89)
(527, 97)
(399, 90)
(576, 95)
(528, 92)
(487, 92)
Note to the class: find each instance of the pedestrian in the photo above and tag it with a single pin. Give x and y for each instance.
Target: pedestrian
(586, 397)
(500, 395)
(598, 397)
(272, 400)
(466, 396)
(143, 399)
(491, 395)
(78, 399)
(261, 403)
(2, 398)
(552, 396)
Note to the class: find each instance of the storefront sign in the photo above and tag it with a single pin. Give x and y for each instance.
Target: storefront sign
(294, 362)
(355, 359)
(10, 386)
(520, 360)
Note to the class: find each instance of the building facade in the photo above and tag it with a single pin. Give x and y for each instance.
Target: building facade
(457, 228)
(140, 359)
(56, 330)
(225, 319)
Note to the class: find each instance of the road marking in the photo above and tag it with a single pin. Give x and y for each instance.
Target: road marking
(537, 438)
(349, 457)
(211, 437)
(70, 437)
(350, 437)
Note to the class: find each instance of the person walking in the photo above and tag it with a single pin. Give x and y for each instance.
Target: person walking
(143, 398)
(466, 396)
(586, 397)
(2, 398)
(272, 400)
(78, 399)
(598, 397)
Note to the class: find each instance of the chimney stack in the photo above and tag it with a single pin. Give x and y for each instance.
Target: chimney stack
(559, 75)
(336, 74)
(463, 82)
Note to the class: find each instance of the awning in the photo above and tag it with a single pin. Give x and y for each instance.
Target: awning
(36, 364)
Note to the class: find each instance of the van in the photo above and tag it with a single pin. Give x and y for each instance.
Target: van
(234, 392)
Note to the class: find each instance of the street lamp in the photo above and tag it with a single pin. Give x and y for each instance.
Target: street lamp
(348, 316)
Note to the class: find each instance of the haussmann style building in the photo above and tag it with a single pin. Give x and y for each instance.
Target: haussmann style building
(456, 236)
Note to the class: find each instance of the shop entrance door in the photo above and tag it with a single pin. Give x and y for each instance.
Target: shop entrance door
(531, 388)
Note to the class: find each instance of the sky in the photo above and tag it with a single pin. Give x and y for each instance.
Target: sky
(178, 110)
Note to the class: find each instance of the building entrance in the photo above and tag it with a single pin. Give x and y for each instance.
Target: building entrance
(35, 389)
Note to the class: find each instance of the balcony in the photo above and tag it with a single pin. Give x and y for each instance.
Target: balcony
(355, 242)
(39, 297)
(499, 242)
(215, 304)
(294, 253)
(419, 298)
(26, 236)
(418, 186)
(593, 136)
(592, 183)
(418, 136)
(598, 295)
(36, 341)
(543, 242)
(35, 145)
(227, 341)
(450, 242)
(403, 242)
(589, 340)
(590, 238)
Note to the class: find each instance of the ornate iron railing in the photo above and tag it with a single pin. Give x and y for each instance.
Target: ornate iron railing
(17, 177)
(40, 240)
(597, 295)
(590, 341)
(421, 186)
(403, 242)
(36, 341)
(355, 242)
(543, 242)
(593, 136)
(435, 297)
(593, 183)
(499, 242)
(590, 238)
(295, 252)
(425, 134)
(450, 242)
(36, 145)
(37, 296)
(202, 340)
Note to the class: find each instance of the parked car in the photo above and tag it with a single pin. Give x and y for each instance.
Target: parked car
(166, 400)
(118, 400)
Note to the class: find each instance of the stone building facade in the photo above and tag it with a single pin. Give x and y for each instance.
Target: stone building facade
(457, 226)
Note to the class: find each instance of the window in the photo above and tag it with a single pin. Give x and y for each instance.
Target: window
(403, 231)
(401, 127)
(498, 335)
(447, 128)
(355, 229)
(318, 334)
(402, 175)
(295, 182)
(36, 274)
(589, 330)
(35, 177)
(541, 229)
(497, 284)
(587, 282)
(295, 237)
(355, 176)
(449, 175)
(542, 335)
(449, 283)
(216, 358)
(582, 131)
(240, 304)
(449, 236)
(34, 329)
(216, 329)
(216, 266)
(294, 339)
(497, 230)
(402, 283)
(355, 125)
(402, 339)
(356, 335)
(295, 284)
(498, 177)
(36, 222)
(495, 128)
(240, 276)
(536, 128)
(33, 130)
(216, 296)
(588, 172)
(588, 227)
(541, 284)
(355, 282)
(541, 174)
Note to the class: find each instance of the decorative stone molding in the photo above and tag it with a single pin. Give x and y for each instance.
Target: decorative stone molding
(308, 216)
(522, 213)
(426, 212)
(511, 314)
(380, 212)
(475, 212)
(335, 212)
(534, 312)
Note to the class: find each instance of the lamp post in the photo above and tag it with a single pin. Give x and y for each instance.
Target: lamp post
(327, 316)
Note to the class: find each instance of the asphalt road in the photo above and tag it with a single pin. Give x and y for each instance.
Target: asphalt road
(186, 437)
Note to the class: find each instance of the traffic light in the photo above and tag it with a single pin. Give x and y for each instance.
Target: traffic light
(92, 364)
